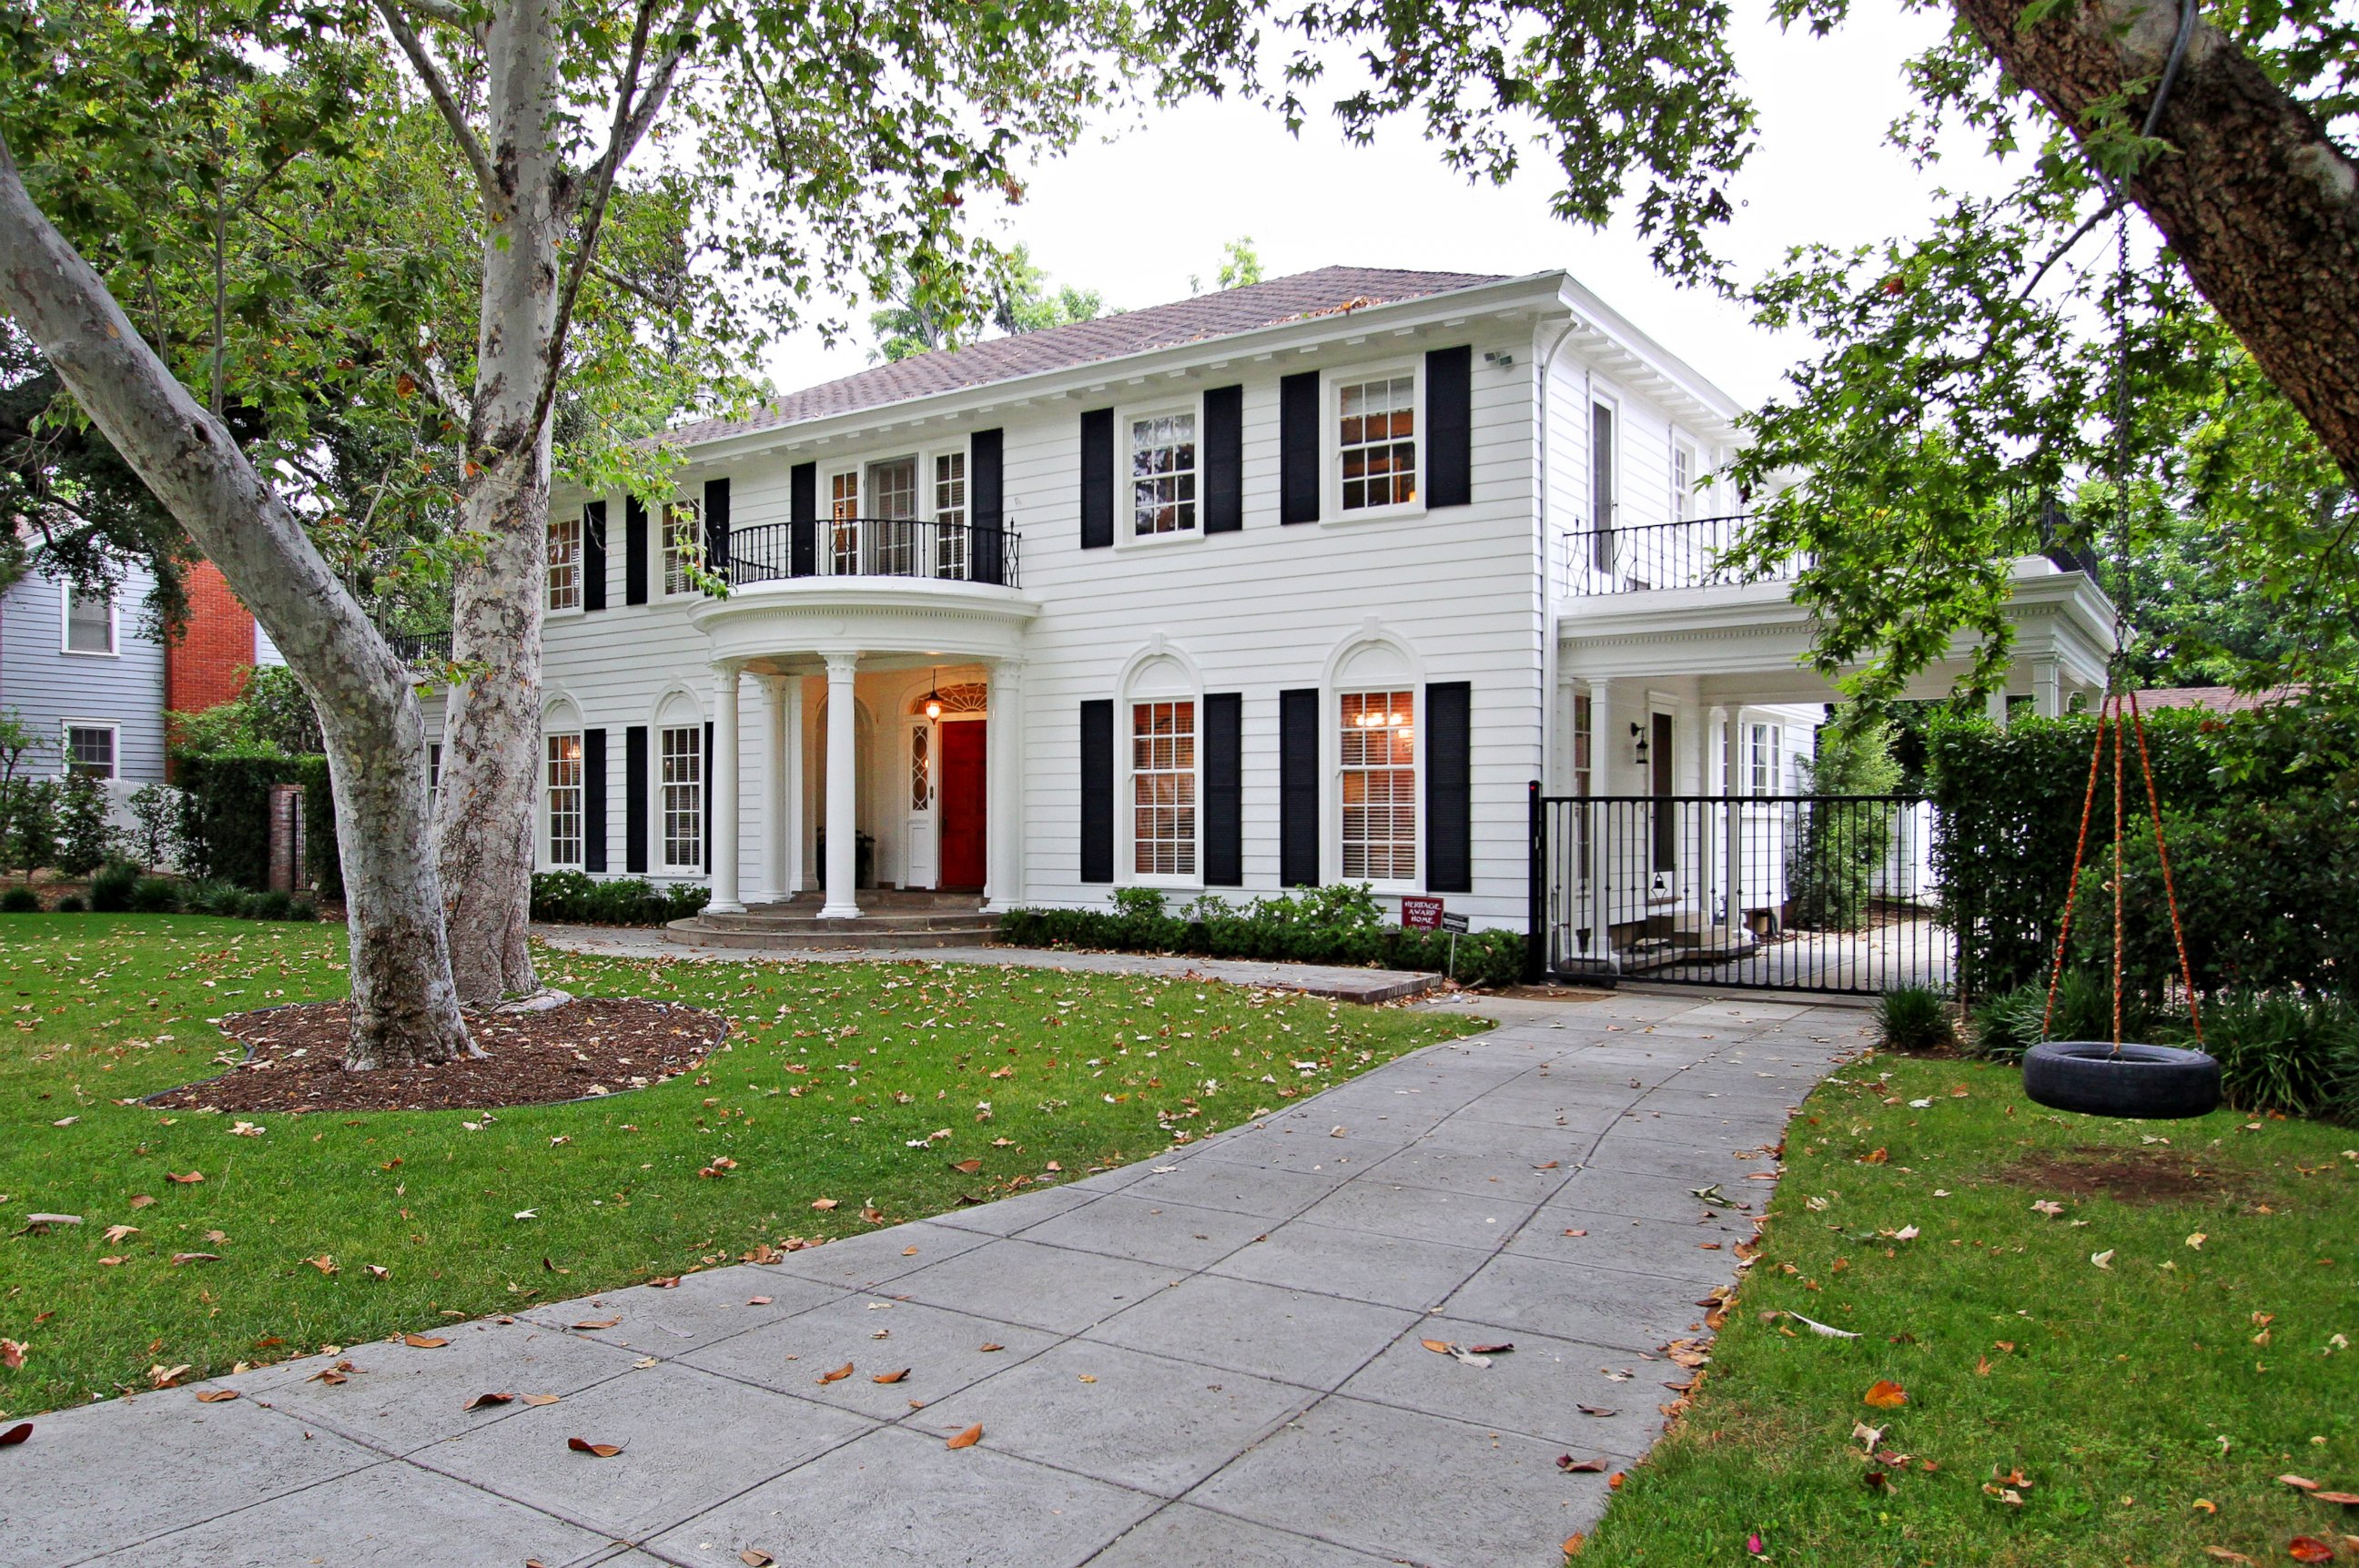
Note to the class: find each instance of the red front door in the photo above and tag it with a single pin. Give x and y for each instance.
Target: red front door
(963, 804)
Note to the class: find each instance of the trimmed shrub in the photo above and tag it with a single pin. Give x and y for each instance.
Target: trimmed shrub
(270, 905)
(576, 898)
(20, 901)
(156, 895)
(1338, 924)
(71, 904)
(1915, 1018)
(85, 840)
(110, 890)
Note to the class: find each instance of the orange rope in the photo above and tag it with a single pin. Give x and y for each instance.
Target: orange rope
(2169, 892)
(2080, 848)
(2118, 834)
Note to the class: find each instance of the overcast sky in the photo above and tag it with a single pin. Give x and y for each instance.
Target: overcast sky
(1198, 176)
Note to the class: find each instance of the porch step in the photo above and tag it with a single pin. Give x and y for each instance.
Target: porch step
(888, 918)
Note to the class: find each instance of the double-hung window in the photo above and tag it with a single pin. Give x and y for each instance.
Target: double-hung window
(1683, 483)
(1163, 474)
(893, 498)
(564, 752)
(682, 784)
(1764, 761)
(843, 525)
(949, 515)
(90, 621)
(565, 563)
(1163, 788)
(1377, 440)
(89, 751)
(683, 551)
(1378, 748)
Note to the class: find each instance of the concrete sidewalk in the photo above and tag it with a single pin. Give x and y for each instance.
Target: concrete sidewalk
(1345, 983)
(1213, 1358)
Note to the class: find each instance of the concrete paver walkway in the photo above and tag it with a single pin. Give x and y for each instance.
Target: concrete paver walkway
(1343, 981)
(1211, 1358)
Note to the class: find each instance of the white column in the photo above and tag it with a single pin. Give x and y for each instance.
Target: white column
(723, 826)
(772, 886)
(790, 786)
(843, 799)
(1606, 745)
(1715, 783)
(2048, 687)
(1003, 787)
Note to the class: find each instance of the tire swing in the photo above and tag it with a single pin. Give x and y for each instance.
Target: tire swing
(2118, 1078)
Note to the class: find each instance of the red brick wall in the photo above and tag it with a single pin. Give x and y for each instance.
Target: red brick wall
(206, 666)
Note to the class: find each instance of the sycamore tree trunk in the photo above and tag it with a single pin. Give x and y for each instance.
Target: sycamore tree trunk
(404, 1009)
(491, 762)
(2260, 205)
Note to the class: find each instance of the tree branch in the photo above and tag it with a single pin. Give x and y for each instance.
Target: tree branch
(438, 88)
(443, 11)
(634, 112)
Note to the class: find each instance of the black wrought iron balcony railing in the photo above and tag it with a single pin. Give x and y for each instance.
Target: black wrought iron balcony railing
(1694, 553)
(874, 547)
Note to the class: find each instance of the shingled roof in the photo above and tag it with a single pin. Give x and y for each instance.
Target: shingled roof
(1327, 290)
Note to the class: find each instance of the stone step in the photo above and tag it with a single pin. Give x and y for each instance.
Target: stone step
(881, 899)
(869, 920)
(818, 936)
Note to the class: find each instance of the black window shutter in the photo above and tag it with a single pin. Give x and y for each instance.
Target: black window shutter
(1449, 427)
(1225, 458)
(593, 800)
(1298, 787)
(1448, 787)
(1225, 860)
(1097, 481)
(634, 798)
(1297, 448)
(716, 526)
(593, 556)
(707, 819)
(1097, 791)
(802, 519)
(988, 514)
(634, 551)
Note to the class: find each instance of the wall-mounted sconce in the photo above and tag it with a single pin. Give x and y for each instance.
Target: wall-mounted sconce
(1638, 751)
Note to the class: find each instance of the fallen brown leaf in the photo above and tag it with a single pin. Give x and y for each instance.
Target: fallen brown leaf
(2348, 1499)
(600, 1450)
(1489, 1349)
(968, 1438)
(838, 1375)
(1439, 1346)
(757, 1301)
(1572, 1466)
(115, 1233)
(2309, 1549)
(2300, 1483)
(1884, 1394)
(538, 1398)
(1595, 1411)
(2224, 1555)
(486, 1402)
(1574, 1544)
(597, 1323)
(755, 1557)
(215, 1396)
(190, 1180)
(991, 1347)
(890, 1377)
(967, 1167)
(180, 1257)
(15, 1434)
(423, 1342)
(823, 1204)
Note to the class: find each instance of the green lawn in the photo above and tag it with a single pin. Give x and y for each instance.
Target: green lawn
(836, 1077)
(2211, 1354)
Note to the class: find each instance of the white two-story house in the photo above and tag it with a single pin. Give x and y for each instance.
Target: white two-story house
(1301, 582)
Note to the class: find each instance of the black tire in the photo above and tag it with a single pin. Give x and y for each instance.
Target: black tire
(2150, 1083)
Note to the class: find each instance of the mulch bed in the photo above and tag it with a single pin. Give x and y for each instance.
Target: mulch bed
(584, 1048)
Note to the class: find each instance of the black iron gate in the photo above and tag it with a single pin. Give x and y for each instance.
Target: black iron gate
(1784, 892)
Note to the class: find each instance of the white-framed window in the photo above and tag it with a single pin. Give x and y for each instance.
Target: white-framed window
(1762, 760)
(1163, 788)
(683, 546)
(680, 779)
(1377, 745)
(1163, 473)
(1375, 440)
(843, 524)
(1683, 477)
(89, 621)
(90, 750)
(564, 785)
(950, 558)
(565, 563)
(893, 502)
(434, 772)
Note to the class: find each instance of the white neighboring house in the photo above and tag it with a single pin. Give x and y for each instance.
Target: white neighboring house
(1301, 582)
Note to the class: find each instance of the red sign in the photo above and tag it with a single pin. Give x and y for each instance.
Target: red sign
(1421, 914)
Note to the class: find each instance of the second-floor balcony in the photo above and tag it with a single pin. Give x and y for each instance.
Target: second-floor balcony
(922, 548)
(1692, 553)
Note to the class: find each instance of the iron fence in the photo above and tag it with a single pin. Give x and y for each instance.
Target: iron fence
(1691, 553)
(1786, 892)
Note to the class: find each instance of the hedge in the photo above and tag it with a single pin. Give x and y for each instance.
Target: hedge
(1322, 925)
(575, 897)
(2260, 810)
(223, 832)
